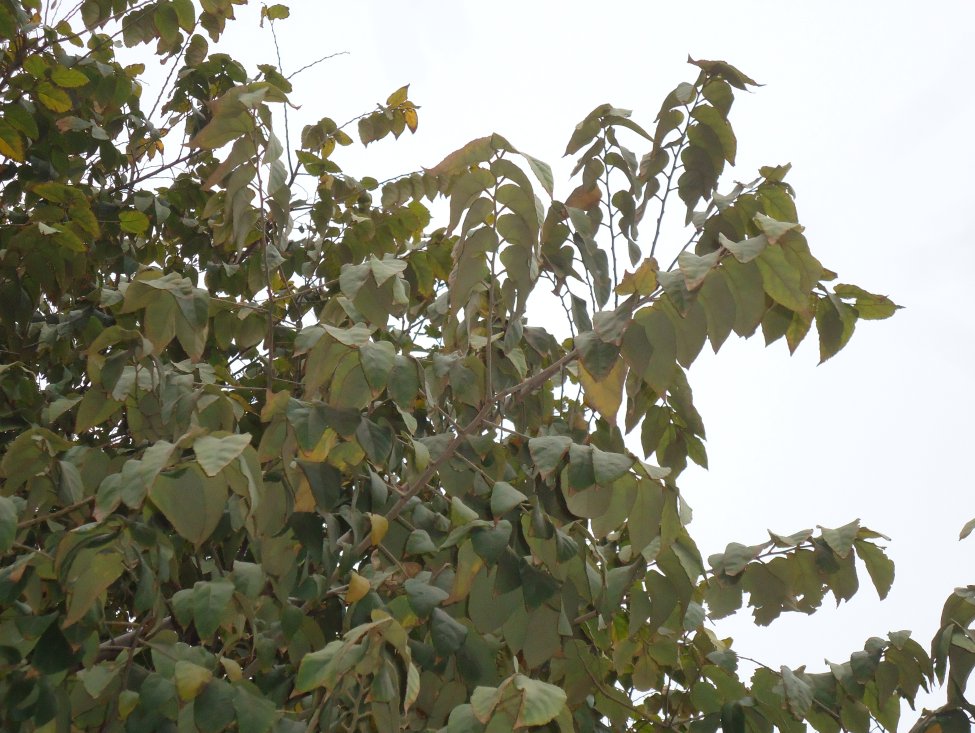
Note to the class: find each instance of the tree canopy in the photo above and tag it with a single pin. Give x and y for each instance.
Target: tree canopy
(295, 458)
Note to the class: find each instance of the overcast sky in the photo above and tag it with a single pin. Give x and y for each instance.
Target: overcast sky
(871, 102)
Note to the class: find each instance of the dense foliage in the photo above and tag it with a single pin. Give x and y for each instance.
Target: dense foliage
(276, 461)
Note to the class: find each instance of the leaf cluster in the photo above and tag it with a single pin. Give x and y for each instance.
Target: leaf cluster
(283, 457)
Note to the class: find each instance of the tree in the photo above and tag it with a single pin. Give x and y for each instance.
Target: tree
(274, 463)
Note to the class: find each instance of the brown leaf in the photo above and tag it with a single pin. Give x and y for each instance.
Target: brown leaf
(584, 198)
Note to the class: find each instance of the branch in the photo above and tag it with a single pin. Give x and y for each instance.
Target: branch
(512, 395)
(130, 639)
(155, 171)
(59, 513)
(673, 169)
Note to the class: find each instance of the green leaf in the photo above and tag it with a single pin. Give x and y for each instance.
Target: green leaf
(782, 280)
(840, 540)
(95, 408)
(254, 714)
(185, 13)
(68, 78)
(607, 467)
(213, 705)
(490, 542)
(137, 476)
(96, 679)
(167, 23)
(211, 600)
(967, 529)
(191, 501)
(134, 222)
(216, 453)
(376, 441)
(463, 720)
(91, 573)
(476, 151)
(423, 597)
(8, 523)
(465, 191)
(160, 322)
(547, 452)
(196, 51)
(650, 348)
(419, 543)
(314, 669)
(446, 633)
(724, 70)
(868, 305)
(222, 130)
(835, 321)
(504, 498)
(732, 718)
(879, 566)
(377, 359)
(716, 122)
(540, 703)
(745, 285)
(735, 558)
(190, 679)
(52, 653)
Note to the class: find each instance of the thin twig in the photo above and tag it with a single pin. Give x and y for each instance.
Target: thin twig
(287, 133)
(314, 63)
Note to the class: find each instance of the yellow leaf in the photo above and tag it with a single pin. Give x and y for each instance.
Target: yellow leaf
(190, 679)
(53, 98)
(275, 404)
(380, 526)
(358, 587)
(643, 281)
(410, 117)
(127, 702)
(398, 97)
(322, 448)
(604, 395)
(11, 143)
(304, 498)
(469, 564)
(232, 669)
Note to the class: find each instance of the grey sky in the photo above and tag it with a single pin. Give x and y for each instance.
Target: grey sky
(871, 103)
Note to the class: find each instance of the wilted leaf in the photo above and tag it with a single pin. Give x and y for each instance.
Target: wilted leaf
(798, 693)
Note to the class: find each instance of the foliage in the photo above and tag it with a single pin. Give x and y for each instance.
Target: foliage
(277, 462)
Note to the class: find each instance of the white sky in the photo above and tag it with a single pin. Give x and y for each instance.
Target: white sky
(871, 102)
